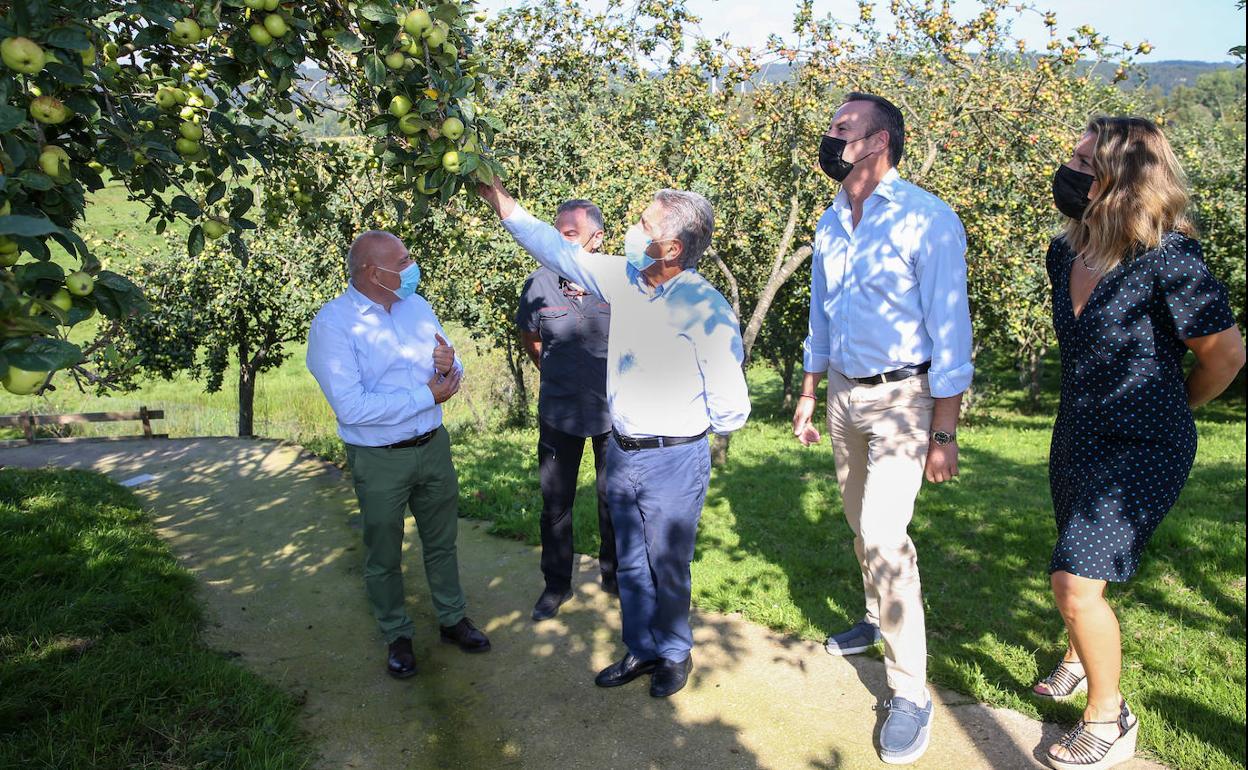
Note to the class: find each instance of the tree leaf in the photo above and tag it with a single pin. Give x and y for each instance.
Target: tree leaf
(348, 42)
(215, 193)
(16, 224)
(46, 354)
(195, 241)
(375, 69)
(68, 37)
(184, 205)
(10, 118)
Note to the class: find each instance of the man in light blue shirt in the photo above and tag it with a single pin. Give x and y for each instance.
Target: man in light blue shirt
(383, 362)
(673, 372)
(891, 328)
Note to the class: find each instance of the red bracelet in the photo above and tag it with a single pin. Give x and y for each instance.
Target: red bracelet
(808, 395)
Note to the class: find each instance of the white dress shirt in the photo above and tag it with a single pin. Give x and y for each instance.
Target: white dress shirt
(891, 292)
(673, 353)
(373, 366)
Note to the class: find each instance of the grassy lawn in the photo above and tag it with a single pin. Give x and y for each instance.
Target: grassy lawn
(774, 546)
(101, 665)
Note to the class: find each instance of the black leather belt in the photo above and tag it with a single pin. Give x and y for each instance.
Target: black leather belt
(631, 444)
(420, 440)
(896, 375)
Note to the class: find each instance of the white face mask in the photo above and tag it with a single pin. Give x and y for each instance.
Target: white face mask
(636, 242)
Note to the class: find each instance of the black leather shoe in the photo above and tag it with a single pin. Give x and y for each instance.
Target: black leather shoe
(466, 635)
(611, 585)
(670, 676)
(548, 604)
(401, 662)
(626, 670)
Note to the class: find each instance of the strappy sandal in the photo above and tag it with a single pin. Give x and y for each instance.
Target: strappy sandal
(1091, 752)
(1063, 682)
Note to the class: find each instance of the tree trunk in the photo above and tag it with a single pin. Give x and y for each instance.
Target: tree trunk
(246, 392)
(1034, 369)
(518, 408)
(787, 391)
(719, 449)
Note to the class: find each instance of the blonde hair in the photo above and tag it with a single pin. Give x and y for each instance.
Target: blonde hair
(1143, 194)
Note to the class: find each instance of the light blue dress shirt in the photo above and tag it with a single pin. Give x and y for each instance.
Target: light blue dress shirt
(891, 292)
(374, 366)
(673, 353)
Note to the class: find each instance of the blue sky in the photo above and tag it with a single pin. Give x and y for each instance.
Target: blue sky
(1178, 29)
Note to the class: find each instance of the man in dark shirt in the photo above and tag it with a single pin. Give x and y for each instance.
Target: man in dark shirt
(564, 330)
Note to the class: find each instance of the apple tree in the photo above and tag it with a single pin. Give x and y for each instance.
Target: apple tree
(189, 104)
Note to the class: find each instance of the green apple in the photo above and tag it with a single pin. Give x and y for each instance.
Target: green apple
(88, 55)
(415, 47)
(22, 54)
(187, 113)
(214, 229)
(166, 98)
(62, 300)
(260, 35)
(417, 21)
(20, 382)
(452, 128)
(271, 5)
(452, 162)
(470, 143)
(411, 124)
(80, 284)
(9, 258)
(180, 95)
(54, 161)
(422, 184)
(190, 131)
(276, 25)
(49, 110)
(111, 50)
(186, 147)
(255, 5)
(400, 105)
(436, 35)
(395, 60)
(185, 32)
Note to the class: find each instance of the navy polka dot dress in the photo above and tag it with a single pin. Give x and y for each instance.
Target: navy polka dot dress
(1124, 439)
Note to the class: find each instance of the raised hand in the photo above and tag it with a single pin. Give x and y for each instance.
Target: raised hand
(443, 356)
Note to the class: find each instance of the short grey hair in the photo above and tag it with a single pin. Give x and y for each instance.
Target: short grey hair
(688, 218)
(592, 212)
(362, 248)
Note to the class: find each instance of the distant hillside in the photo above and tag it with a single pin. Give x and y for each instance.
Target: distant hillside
(1166, 75)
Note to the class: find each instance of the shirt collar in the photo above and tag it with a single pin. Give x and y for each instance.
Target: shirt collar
(361, 303)
(658, 291)
(886, 189)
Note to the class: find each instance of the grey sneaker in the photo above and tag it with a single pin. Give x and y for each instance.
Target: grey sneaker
(862, 637)
(905, 733)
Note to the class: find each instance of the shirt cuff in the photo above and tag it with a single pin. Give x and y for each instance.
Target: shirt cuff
(422, 398)
(813, 362)
(950, 383)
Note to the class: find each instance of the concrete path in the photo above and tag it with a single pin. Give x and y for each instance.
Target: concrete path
(271, 534)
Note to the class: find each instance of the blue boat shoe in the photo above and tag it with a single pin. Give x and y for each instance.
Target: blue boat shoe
(905, 733)
(862, 637)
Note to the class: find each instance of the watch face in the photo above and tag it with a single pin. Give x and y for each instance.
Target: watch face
(942, 438)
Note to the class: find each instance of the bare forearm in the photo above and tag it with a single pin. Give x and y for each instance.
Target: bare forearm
(1205, 383)
(499, 199)
(945, 413)
(810, 382)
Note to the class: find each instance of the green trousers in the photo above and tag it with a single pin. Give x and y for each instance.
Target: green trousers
(388, 482)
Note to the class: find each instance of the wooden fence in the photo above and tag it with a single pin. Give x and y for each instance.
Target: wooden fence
(28, 422)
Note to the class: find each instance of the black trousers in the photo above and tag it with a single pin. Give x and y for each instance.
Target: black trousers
(559, 461)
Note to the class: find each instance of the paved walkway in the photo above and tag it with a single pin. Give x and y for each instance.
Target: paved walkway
(272, 537)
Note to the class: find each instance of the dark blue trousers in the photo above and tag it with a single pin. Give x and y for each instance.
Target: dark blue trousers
(655, 497)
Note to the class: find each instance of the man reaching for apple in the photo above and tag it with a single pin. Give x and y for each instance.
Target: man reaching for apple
(383, 362)
(673, 374)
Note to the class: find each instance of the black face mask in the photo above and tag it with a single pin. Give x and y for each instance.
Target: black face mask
(830, 151)
(1070, 191)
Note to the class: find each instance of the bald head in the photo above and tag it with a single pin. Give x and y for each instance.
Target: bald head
(374, 247)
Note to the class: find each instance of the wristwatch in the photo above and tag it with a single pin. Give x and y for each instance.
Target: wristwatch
(942, 438)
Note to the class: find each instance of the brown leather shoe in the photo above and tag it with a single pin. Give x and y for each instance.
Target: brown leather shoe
(401, 662)
(466, 635)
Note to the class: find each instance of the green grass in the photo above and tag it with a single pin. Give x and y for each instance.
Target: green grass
(773, 545)
(101, 664)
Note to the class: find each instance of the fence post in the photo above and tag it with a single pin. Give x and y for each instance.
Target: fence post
(147, 423)
(28, 425)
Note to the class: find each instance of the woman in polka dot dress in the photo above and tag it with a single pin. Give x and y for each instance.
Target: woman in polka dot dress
(1130, 296)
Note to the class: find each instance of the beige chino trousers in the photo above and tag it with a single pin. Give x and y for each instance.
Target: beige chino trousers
(879, 441)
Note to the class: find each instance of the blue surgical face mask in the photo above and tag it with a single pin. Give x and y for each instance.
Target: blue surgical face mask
(409, 279)
(636, 241)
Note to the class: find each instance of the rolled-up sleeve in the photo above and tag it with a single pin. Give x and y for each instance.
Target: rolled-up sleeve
(720, 353)
(332, 362)
(815, 349)
(596, 272)
(940, 266)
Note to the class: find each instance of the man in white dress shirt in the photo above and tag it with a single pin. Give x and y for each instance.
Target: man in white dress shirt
(890, 326)
(383, 362)
(673, 373)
